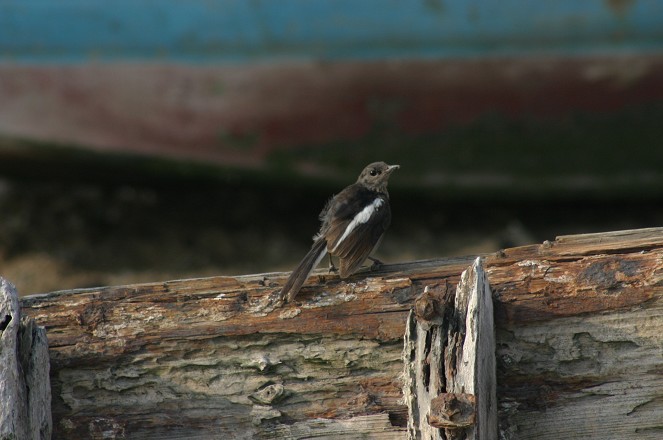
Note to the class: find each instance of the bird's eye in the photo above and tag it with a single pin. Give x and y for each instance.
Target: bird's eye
(375, 172)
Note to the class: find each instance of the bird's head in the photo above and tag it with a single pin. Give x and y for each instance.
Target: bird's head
(376, 175)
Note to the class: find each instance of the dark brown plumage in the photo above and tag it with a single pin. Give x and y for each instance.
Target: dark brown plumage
(353, 223)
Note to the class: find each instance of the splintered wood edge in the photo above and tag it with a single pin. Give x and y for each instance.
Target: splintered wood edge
(565, 245)
(411, 268)
(475, 371)
(485, 363)
(613, 236)
(579, 245)
(25, 397)
(367, 300)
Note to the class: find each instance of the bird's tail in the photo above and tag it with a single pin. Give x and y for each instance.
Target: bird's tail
(304, 269)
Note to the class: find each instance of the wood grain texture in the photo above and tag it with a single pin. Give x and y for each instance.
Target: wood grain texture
(423, 375)
(471, 359)
(188, 359)
(578, 324)
(449, 359)
(25, 391)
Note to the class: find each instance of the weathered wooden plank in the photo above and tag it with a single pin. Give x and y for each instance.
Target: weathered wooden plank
(543, 287)
(590, 377)
(376, 426)
(588, 244)
(470, 356)
(578, 347)
(449, 357)
(423, 373)
(25, 390)
(191, 355)
(578, 343)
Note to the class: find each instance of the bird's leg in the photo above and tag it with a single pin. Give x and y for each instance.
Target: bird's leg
(376, 263)
(332, 268)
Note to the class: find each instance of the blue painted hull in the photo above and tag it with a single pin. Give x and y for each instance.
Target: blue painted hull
(241, 30)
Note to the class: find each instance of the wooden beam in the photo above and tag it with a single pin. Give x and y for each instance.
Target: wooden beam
(578, 323)
(578, 336)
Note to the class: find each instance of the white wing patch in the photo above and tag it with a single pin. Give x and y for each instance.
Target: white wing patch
(362, 217)
(318, 260)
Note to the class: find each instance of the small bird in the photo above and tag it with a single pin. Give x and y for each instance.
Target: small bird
(353, 222)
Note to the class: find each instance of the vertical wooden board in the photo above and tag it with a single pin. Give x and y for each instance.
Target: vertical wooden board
(422, 353)
(13, 410)
(35, 363)
(474, 371)
(25, 390)
(452, 356)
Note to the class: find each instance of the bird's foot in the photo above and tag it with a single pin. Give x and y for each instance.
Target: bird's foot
(332, 268)
(377, 264)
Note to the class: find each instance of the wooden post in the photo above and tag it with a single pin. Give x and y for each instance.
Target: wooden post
(470, 358)
(578, 349)
(25, 390)
(449, 358)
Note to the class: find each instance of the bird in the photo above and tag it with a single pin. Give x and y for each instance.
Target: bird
(352, 225)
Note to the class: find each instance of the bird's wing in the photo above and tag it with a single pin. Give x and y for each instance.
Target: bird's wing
(358, 250)
(359, 219)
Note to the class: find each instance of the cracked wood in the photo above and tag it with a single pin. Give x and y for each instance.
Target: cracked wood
(578, 325)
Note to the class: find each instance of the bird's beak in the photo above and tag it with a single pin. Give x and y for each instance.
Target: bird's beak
(391, 168)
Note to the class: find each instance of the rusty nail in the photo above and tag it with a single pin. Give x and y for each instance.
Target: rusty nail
(452, 411)
(424, 306)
